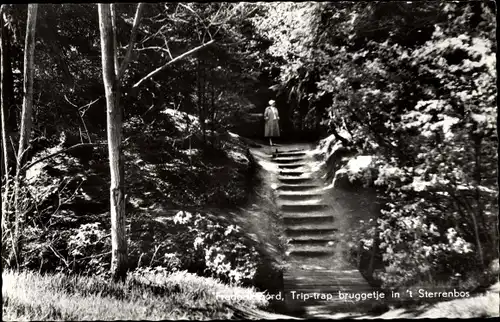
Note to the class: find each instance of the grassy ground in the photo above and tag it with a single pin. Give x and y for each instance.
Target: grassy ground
(31, 296)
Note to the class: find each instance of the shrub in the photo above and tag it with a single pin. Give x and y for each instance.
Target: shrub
(211, 247)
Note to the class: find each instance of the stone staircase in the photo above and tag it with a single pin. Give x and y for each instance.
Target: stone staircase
(316, 271)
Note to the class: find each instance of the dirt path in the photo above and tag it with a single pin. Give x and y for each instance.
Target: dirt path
(312, 223)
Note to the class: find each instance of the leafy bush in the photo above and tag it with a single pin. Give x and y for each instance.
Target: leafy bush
(90, 242)
(205, 245)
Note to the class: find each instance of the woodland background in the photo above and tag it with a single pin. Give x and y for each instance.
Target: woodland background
(411, 84)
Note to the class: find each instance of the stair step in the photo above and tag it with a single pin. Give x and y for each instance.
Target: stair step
(310, 192)
(291, 165)
(310, 242)
(331, 305)
(294, 195)
(313, 215)
(312, 234)
(303, 207)
(327, 283)
(330, 288)
(310, 250)
(291, 173)
(290, 153)
(287, 160)
(306, 202)
(315, 234)
(305, 228)
(292, 221)
(292, 233)
(324, 280)
(300, 197)
(325, 309)
(329, 261)
(295, 180)
(292, 150)
(327, 272)
(298, 187)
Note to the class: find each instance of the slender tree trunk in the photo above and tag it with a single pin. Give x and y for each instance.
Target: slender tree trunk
(479, 212)
(375, 249)
(114, 129)
(204, 102)
(5, 152)
(26, 125)
(201, 107)
(8, 82)
(115, 41)
(462, 202)
(477, 234)
(212, 113)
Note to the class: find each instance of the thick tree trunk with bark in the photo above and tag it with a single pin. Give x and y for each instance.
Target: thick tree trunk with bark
(114, 129)
(26, 125)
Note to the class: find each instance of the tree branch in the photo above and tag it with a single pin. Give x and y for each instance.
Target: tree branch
(133, 35)
(168, 49)
(115, 40)
(155, 48)
(156, 71)
(79, 145)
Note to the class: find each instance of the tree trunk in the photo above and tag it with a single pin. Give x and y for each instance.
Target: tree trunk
(26, 125)
(114, 130)
(8, 82)
(5, 152)
(375, 249)
(115, 41)
(479, 212)
(212, 113)
(201, 107)
(344, 141)
(204, 101)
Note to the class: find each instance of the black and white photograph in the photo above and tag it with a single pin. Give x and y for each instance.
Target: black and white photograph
(249, 160)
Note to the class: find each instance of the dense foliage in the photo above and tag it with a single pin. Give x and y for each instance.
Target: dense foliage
(413, 85)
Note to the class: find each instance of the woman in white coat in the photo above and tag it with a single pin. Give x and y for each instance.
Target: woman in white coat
(271, 117)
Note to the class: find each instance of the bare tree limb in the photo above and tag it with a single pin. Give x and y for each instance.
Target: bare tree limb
(58, 255)
(152, 35)
(201, 21)
(13, 147)
(82, 114)
(155, 48)
(194, 12)
(215, 16)
(159, 69)
(168, 48)
(79, 145)
(133, 35)
(74, 105)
